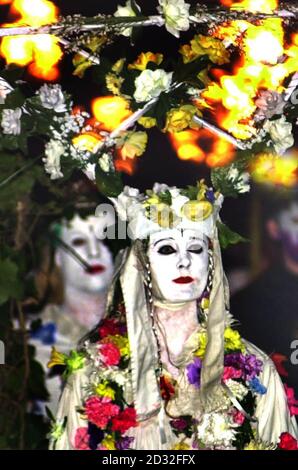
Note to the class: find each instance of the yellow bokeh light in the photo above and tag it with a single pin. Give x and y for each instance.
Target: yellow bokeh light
(110, 111)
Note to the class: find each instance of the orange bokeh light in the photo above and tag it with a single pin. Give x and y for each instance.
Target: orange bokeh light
(110, 111)
(41, 52)
(86, 141)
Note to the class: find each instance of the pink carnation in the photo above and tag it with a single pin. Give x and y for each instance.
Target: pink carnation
(82, 439)
(292, 402)
(110, 354)
(99, 411)
(231, 373)
(238, 417)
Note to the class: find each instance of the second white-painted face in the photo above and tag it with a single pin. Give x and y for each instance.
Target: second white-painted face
(179, 264)
(80, 234)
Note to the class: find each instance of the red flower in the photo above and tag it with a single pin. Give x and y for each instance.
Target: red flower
(82, 439)
(109, 327)
(99, 411)
(292, 402)
(110, 354)
(287, 442)
(166, 387)
(279, 360)
(124, 420)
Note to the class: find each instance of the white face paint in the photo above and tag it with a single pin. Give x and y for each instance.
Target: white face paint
(80, 234)
(179, 264)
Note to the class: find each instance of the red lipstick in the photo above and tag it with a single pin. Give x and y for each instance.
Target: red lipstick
(96, 269)
(183, 280)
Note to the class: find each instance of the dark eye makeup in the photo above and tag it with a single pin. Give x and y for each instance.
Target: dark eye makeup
(78, 241)
(166, 250)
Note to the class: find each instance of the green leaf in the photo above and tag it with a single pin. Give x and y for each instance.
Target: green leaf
(188, 72)
(228, 237)
(14, 100)
(165, 197)
(110, 184)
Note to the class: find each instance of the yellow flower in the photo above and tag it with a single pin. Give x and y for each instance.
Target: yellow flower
(181, 446)
(202, 344)
(134, 144)
(122, 344)
(56, 359)
(143, 60)
(103, 390)
(151, 201)
(197, 210)
(113, 83)
(205, 45)
(80, 62)
(118, 66)
(233, 340)
(179, 119)
(258, 445)
(147, 122)
(109, 443)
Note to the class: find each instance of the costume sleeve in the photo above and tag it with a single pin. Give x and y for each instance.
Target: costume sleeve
(71, 399)
(272, 409)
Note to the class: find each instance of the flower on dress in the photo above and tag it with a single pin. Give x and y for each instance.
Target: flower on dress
(216, 429)
(125, 420)
(287, 442)
(81, 440)
(176, 15)
(109, 327)
(110, 354)
(124, 443)
(292, 402)
(257, 387)
(99, 411)
(194, 372)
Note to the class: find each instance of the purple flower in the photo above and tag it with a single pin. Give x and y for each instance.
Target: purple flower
(194, 372)
(179, 424)
(247, 363)
(124, 443)
(210, 195)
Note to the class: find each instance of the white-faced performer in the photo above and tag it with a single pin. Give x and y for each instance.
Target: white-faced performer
(165, 369)
(86, 266)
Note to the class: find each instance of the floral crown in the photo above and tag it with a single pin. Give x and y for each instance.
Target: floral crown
(164, 207)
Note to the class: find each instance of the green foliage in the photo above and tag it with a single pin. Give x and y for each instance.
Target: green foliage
(108, 183)
(228, 237)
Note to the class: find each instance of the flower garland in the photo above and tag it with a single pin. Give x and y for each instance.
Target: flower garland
(108, 405)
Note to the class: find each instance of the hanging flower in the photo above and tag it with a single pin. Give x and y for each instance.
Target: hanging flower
(144, 58)
(231, 373)
(194, 372)
(122, 344)
(180, 118)
(99, 411)
(233, 340)
(205, 45)
(147, 122)
(238, 417)
(259, 445)
(249, 364)
(51, 97)
(133, 144)
(167, 388)
(53, 151)
(202, 336)
(151, 83)
(281, 134)
(11, 121)
(127, 10)
(287, 442)
(176, 15)
(125, 420)
(257, 387)
(75, 361)
(110, 354)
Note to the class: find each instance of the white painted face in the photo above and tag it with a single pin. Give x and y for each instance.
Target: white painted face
(179, 264)
(80, 234)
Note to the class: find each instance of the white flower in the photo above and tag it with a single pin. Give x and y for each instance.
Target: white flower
(11, 121)
(176, 15)
(150, 83)
(239, 180)
(125, 11)
(216, 429)
(54, 150)
(237, 389)
(51, 97)
(281, 134)
(5, 89)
